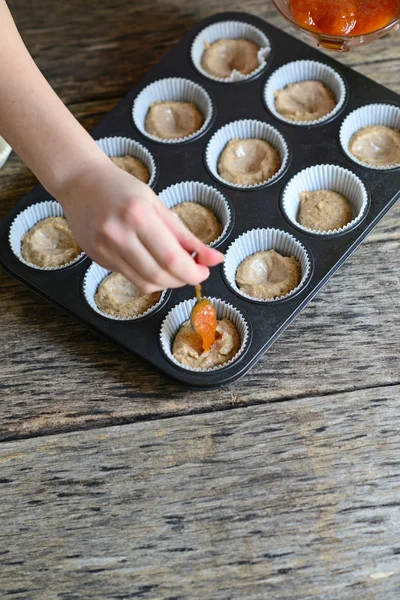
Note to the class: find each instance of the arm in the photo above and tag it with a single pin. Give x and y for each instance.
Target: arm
(115, 218)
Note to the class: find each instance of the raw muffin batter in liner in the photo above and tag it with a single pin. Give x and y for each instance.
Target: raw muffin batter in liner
(116, 296)
(376, 145)
(305, 92)
(40, 237)
(324, 210)
(247, 153)
(172, 110)
(133, 166)
(200, 220)
(266, 265)
(50, 243)
(230, 51)
(173, 120)
(304, 101)
(224, 56)
(370, 136)
(325, 199)
(248, 162)
(268, 275)
(184, 347)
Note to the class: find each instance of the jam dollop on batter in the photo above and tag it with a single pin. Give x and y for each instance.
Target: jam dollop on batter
(344, 17)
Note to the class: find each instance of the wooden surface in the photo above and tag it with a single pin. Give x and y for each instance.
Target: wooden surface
(297, 497)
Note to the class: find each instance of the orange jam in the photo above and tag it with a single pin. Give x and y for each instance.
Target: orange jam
(204, 320)
(344, 17)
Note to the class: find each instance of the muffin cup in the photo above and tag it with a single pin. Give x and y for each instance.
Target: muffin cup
(230, 30)
(259, 240)
(305, 70)
(26, 220)
(121, 146)
(326, 177)
(200, 193)
(366, 116)
(181, 313)
(244, 129)
(93, 277)
(172, 89)
(5, 151)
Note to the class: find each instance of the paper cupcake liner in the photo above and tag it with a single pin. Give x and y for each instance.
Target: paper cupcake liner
(230, 30)
(326, 177)
(5, 151)
(173, 89)
(181, 313)
(259, 240)
(195, 191)
(305, 70)
(246, 128)
(93, 277)
(366, 116)
(120, 146)
(26, 220)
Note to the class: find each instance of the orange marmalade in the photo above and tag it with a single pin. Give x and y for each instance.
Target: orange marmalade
(344, 17)
(204, 320)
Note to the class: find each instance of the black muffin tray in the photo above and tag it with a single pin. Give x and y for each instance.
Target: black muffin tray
(251, 208)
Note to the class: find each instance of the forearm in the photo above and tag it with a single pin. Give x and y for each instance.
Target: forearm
(33, 119)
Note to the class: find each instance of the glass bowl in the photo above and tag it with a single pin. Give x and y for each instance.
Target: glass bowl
(334, 42)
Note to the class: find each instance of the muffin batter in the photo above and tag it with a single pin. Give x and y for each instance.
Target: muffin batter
(133, 166)
(323, 210)
(200, 220)
(227, 55)
(268, 274)
(188, 349)
(173, 120)
(304, 101)
(118, 297)
(248, 161)
(376, 145)
(50, 243)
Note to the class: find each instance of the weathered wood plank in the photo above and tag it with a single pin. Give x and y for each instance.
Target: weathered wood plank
(292, 500)
(101, 50)
(54, 375)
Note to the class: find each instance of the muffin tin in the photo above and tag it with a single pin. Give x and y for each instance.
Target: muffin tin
(251, 208)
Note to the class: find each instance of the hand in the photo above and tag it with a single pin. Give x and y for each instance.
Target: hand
(122, 225)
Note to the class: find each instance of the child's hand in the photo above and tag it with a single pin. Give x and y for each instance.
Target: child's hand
(122, 225)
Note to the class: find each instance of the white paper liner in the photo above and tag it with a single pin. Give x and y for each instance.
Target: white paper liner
(5, 151)
(93, 277)
(259, 240)
(244, 129)
(26, 220)
(181, 313)
(305, 70)
(195, 191)
(172, 89)
(326, 177)
(366, 116)
(121, 146)
(230, 30)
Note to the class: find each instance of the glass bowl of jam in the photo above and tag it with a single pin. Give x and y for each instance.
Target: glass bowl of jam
(341, 24)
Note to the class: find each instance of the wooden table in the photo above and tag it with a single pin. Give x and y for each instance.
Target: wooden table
(117, 484)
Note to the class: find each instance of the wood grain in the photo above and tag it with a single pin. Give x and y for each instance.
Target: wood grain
(57, 376)
(100, 49)
(292, 500)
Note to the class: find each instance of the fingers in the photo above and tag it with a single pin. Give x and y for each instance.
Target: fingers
(155, 258)
(163, 245)
(205, 255)
(136, 255)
